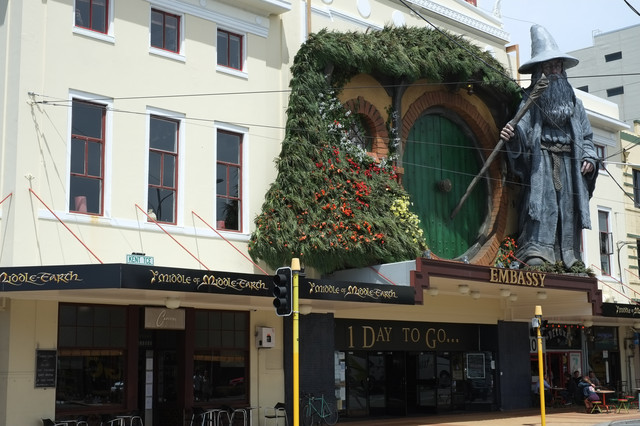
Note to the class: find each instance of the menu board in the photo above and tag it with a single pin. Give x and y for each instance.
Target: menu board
(46, 363)
(475, 366)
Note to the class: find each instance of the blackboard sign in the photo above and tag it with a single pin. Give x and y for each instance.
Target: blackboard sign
(46, 363)
(475, 366)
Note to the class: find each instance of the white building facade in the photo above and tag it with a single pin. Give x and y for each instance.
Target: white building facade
(138, 141)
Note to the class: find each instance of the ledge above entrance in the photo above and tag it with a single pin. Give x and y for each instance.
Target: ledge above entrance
(447, 275)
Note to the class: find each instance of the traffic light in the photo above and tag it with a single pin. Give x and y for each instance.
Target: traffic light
(544, 328)
(283, 292)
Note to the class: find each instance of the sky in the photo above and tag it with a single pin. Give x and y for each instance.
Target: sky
(570, 22)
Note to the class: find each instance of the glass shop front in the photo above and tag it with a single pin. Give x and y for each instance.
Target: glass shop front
(161, 361)
(399, 368)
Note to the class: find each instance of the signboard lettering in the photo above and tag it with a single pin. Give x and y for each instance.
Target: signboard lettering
(400, 335)
(164, 319)
(517, 277)
(46, 367)
(139, 259)
(38, 278)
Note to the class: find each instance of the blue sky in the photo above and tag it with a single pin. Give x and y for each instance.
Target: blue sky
(571, 22)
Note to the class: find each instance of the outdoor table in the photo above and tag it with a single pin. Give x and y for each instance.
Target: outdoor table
(557, 400)
(604, 393)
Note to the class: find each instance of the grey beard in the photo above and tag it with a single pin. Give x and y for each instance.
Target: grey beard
(556, 102)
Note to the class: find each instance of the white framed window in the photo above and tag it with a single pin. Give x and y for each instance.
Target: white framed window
(605, 240)
(231, 52)
(166, 33)
(89, 154)
(165, 145)
(636, 188)
(601, 152)
(230, 198)
(94, 18)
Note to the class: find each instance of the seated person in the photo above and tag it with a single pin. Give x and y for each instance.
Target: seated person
(570, 388)
(589, 392)
(577, 377)
(535, 388)
(594, 379)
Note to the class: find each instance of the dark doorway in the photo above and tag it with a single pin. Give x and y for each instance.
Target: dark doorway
(376, 384)
(160, 362)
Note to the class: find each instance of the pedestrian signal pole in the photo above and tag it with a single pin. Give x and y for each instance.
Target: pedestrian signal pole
(537, 323)
(295, 268)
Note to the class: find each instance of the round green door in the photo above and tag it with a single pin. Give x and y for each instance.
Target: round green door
(440, 160)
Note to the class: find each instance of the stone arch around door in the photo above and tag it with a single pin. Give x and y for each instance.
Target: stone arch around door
(468, 120)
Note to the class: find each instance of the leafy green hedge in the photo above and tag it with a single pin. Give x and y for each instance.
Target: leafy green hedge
(332, 205)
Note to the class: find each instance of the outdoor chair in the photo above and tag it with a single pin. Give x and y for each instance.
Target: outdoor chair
(279, 411)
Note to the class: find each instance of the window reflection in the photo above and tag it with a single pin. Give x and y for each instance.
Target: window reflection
(228, 180)
(221, 357)
(87, 157)
(91, 356)
(163, 156)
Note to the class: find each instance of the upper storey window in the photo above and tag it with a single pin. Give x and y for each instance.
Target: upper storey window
(165, 31)
(163, 168)
(230, 52)
(228, 182)
(93, 15)
(87, 157)
(613, 56)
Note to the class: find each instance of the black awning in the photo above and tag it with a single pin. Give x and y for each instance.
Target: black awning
(143, 277)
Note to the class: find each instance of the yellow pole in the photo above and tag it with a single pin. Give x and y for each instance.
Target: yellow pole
(538, 314)
(295, 267)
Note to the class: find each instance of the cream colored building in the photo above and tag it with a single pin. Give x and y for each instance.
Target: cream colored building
(146, 132)
(630, 141)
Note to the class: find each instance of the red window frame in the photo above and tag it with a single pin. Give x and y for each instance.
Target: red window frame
(223, 187)
(164, 45)
(227, 61)
(92, 25)
(79, 207)
(163, 186)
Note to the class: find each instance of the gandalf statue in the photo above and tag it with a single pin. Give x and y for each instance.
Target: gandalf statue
(551, 151)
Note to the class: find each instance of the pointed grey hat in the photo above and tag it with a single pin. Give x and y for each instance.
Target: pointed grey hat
(544, 48)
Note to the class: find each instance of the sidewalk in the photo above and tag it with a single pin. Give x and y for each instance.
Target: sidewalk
(553, 417)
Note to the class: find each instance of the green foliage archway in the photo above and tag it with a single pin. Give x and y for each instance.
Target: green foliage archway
(332, 205)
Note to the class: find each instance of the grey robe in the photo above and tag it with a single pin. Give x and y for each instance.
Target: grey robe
(550, 220)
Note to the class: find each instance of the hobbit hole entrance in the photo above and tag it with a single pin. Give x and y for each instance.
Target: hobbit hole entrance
(440, 160)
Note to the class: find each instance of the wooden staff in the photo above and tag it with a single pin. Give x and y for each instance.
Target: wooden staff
(540, 87)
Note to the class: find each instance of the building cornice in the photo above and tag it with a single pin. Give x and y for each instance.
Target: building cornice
(464, 19)
(237, 19)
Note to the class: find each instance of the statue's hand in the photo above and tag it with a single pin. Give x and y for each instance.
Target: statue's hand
(586, 168)
(507, 132)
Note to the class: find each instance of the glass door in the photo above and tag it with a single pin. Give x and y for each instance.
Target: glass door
(377, 394)
(376, 384)
(426, 385)
(357, 384)
(166, 383)
(445, 381)
(396, 384)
